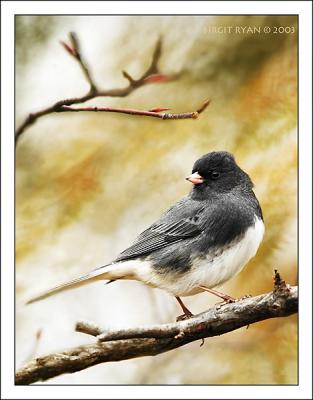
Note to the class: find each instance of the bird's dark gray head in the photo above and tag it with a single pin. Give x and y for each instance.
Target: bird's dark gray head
(218, 172)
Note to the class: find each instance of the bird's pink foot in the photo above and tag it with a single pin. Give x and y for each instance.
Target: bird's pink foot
(187, 313)
(184, 316)
(226, 298)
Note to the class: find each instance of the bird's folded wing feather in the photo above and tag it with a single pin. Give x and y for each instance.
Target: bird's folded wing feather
(159, 235)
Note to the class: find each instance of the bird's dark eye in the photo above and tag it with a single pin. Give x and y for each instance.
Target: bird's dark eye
(214, 175)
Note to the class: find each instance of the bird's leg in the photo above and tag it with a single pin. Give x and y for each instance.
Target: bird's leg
(187, 313)
(225, 297)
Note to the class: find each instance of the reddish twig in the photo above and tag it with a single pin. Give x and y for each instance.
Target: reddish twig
(151, 75)
(155, 113)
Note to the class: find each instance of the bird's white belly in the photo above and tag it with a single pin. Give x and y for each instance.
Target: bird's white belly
(210, 271)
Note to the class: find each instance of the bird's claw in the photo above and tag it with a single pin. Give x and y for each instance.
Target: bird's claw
(229, 300)
(183, 317)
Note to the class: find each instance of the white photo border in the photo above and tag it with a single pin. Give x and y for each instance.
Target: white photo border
(301, 391)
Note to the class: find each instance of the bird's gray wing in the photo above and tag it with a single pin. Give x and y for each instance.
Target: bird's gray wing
(173, 227)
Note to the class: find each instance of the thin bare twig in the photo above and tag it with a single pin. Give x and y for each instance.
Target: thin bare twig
(75, 52)
(89, 328)
(151, 75)
(131, 111)
(146, 341)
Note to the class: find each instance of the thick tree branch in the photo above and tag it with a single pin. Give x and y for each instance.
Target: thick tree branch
(148, 341)
(151, 75)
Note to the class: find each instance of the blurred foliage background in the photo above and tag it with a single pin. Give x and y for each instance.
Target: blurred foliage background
(87, 184)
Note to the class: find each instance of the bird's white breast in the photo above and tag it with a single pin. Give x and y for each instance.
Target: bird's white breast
(212, 270)
(217, 269)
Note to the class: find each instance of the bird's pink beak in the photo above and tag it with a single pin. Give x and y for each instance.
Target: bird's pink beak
(195, 178)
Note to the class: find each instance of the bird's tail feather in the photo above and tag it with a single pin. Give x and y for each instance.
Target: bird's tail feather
(104, 273)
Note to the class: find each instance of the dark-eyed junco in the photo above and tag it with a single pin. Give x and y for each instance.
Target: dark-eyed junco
(200, 242)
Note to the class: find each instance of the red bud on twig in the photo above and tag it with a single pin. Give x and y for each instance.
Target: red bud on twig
(159, 109)
(156, 78)
(68, 48)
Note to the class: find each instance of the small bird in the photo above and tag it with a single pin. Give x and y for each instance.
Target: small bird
(197, 244)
